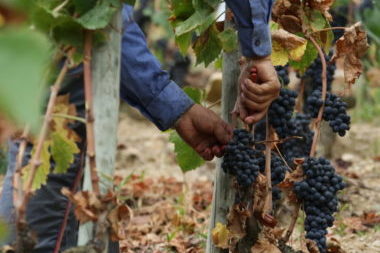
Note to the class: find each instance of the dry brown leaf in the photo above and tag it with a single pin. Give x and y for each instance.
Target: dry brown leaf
(288, 40)
(264, 246)
(237, 218)
(119, 219)
(351, 47)
(370, 219)
(312, 246)
(333, 246)
(323, 6)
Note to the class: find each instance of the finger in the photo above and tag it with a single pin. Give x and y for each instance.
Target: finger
(263, 88)
(253, 106)
(221, 132)
(217, 151)
(252, 119)
(207, 154)
(256, 98)
(202, 146)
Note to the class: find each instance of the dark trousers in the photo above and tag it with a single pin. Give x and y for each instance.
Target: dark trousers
(46, 208)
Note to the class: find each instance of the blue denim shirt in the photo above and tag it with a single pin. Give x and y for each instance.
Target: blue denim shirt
(252, 18)
(147, 87)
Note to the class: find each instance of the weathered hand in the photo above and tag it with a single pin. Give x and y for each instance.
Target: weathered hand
(204, 131)
(256, 97)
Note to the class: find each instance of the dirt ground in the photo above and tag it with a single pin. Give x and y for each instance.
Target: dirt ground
(171, 209)
(145, 150)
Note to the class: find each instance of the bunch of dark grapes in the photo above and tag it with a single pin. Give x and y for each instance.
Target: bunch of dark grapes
(313, 75)
(335, 111)
(318, 193)
(283, 74)
(260, 135)
(240, 159)
(281, 110)
(300, 139)
(278, 169)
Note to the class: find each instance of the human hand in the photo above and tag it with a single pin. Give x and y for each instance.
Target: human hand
(204, 131)
(257, 95)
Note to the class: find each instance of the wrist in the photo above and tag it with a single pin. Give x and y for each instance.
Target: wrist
(182, 116)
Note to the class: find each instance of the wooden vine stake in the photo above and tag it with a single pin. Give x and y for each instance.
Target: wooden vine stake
(224, 193)
(102, 80)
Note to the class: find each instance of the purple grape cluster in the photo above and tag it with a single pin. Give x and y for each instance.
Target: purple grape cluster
(281, 110)
(283, 74)
(335, 111)
(300, 139)
(241, 160)
(318, 193)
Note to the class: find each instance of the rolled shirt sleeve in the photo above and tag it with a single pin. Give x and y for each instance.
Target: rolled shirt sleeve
(252, 18)
(143, 82)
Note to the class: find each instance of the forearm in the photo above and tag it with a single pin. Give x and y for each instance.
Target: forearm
(144, 84)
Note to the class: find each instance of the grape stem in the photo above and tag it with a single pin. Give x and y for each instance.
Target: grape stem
(35, 162)
(329, 29)
(268, 153)
(90, 111)
(301, 92)
(74, 188)
(317, 126)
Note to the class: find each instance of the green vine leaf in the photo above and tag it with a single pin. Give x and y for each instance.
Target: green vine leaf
(194, 93)
(186, 157)
(229, 39)
(194, 21)
(208, 46)
(42, 171)
(309, 56)
(99, 16)
(181, 9)
(183, 42)
(21, 65)
(62, 151)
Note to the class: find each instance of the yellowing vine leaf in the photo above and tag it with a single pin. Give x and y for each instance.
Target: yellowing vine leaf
(62, 151)
(42, 171)
(287, 46)
(279, 55)
(351, 47)
(60, 124)
(220, 236)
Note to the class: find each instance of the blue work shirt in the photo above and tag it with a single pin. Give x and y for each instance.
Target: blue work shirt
(146, 86)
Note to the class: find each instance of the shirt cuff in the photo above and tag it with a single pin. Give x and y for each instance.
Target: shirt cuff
(169, 106)
(256, 41)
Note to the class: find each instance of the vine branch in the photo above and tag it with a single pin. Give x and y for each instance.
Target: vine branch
(18, 193)
(317, 126)
(35, 162)
(268, 154)
(90, 111)
(329, 29)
